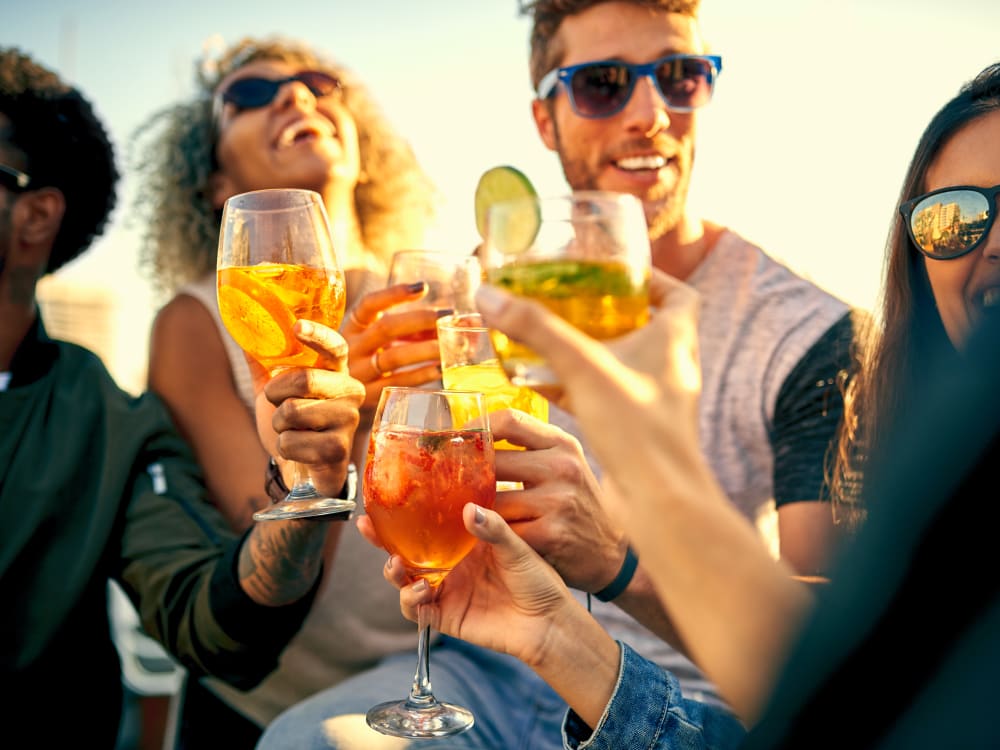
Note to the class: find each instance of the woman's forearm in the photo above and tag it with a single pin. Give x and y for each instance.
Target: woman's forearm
(581, 663)
(733, 606)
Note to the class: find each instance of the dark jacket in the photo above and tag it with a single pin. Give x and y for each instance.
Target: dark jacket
(96, 484)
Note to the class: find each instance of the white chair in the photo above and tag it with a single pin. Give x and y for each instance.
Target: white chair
(147, 669)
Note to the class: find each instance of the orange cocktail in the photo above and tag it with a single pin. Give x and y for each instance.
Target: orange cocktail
(259, 305)
(415, 485)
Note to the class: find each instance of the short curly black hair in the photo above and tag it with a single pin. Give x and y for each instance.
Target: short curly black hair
(66, 147)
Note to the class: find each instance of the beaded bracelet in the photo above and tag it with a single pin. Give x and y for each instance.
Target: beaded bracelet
(622, 580)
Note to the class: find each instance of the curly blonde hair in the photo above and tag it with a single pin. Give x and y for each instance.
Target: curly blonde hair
(173, 153)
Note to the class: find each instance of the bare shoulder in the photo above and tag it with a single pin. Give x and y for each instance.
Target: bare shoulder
(185, 337)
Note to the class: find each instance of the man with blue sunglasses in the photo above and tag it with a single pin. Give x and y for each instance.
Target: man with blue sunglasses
(619, 87)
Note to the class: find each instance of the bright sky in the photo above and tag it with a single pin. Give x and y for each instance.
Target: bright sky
(803, 150)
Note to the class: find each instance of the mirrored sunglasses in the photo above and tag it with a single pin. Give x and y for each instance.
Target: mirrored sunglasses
(950, 222)
(14, 179)
(603, 88)
(251, 93)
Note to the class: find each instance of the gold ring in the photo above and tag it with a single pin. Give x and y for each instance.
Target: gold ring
(375, 366)
(353, 317)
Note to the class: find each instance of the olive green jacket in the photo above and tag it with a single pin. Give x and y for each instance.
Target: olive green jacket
(96, 484)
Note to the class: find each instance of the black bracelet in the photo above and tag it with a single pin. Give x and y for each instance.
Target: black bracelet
(274, 482)
(622, 580)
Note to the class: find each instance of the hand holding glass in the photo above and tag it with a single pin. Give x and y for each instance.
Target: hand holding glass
(451, 279)
(276, 265)
(429, 454)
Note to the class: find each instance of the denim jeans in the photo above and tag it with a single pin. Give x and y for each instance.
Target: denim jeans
(513, 708)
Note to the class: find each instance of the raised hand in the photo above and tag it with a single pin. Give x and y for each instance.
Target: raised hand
(310, 415)
(559, 511)
(391, 348)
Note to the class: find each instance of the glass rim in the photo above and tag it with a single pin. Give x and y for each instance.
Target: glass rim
(447, 321)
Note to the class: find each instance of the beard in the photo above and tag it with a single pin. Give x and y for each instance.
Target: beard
(664, 206)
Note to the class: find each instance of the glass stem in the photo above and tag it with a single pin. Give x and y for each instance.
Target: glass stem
(303, 487)
(420, 693)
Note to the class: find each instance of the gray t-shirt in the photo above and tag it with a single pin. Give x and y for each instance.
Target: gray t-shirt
(771, 345)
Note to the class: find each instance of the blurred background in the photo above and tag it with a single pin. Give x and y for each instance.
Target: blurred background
(803, 149)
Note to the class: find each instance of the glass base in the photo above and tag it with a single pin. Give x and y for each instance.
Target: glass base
(305, 508)
(404, 719)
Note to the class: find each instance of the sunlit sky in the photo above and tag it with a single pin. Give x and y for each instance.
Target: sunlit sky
(803, 150)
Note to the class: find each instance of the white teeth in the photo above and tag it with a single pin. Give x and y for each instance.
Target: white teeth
(291, 133)
(991, 297)
(641, 162)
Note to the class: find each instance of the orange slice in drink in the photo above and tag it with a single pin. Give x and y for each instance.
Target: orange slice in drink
(255, 317)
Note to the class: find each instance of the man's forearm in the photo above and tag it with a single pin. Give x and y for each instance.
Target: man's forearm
(643, 603)
(280, 560)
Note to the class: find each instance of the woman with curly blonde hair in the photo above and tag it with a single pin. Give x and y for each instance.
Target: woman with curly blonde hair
(274, 113)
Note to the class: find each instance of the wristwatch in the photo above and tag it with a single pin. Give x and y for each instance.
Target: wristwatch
(277, 490)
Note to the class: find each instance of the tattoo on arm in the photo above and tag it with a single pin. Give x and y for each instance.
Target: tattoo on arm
(281, 560)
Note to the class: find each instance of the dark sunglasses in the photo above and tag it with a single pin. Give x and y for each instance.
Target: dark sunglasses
(251, 93)
(14, 179)
(952, 221)
(603, 88)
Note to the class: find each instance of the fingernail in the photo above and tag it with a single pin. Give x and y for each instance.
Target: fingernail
(416, 286)
(480, 516)
(490, 300)
(306, 328)
(420, 586)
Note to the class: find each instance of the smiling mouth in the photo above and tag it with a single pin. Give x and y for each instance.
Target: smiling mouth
(295, 134)
(991, 298)
(640, 163)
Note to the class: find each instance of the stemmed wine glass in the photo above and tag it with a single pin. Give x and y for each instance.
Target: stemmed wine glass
(276, 265)
(470, 363)
(429, 454)
(451, 279)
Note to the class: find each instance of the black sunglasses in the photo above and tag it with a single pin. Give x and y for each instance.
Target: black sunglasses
(603, 88)
(14, 179)
(952, 221)
(251, 93)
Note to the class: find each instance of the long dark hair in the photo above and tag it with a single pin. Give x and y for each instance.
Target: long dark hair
(908, 333)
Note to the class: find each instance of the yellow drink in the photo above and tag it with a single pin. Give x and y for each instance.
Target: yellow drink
(489, 379)
(603, 298)
(260, 304)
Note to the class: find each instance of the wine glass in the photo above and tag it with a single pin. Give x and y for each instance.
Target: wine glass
(470, 363)
(585, 256)
(429, 454)
(451, 279)
(276, 265)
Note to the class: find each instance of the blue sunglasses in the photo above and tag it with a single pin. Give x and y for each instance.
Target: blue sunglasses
(603, 88)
